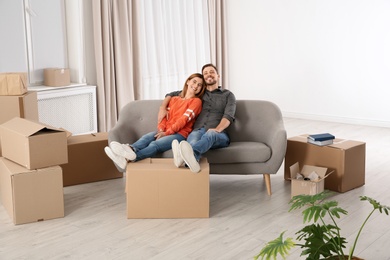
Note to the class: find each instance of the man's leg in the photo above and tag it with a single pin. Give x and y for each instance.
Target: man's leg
(210, 140)
(191, 153)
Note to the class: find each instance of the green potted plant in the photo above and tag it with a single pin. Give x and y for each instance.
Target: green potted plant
(318, 239)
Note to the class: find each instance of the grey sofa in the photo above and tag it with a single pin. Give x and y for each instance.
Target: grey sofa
(258, 137)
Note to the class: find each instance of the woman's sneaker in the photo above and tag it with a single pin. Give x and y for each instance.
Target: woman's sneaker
(123, 150)
(188, 156)
(177, 159)
(117, 159)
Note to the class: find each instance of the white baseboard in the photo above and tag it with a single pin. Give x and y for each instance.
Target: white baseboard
(345, 120)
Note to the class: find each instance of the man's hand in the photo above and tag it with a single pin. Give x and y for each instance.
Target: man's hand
(162, 112)
(213, 129)
(159, 135)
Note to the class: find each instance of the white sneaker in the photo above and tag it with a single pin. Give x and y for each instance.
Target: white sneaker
(188, 156)
(177, 159)
(117, 159)
(123, 150)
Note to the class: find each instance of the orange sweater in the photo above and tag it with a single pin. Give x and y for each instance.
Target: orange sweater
(181, 116)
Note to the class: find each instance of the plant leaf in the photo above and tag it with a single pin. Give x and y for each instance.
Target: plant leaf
(276, 247)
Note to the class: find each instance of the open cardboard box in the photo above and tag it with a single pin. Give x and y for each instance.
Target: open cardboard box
(24, 106)
(32, 144)
(156, 188)
(309, 187)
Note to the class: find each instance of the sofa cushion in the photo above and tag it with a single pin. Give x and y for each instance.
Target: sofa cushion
(240, 152)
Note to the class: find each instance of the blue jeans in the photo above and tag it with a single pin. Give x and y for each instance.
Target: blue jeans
(202, 141)
(147, 145)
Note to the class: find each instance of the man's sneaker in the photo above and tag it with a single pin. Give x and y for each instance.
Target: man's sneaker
(188, 156)
(123, 150)
(177, 159)
(117, 159)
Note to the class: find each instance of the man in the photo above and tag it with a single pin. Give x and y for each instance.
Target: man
(218, 110)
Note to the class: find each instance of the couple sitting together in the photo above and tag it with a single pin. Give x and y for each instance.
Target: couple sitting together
(191, 122)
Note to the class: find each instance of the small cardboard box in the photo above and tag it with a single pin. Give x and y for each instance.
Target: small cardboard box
(56, 77)
(31, 195)
(33, 145)
(13, 83)
(157, 189)
(25, 106)
(87, 161)
(308, 187)
(346, 157)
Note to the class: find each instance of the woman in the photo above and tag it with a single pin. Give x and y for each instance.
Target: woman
(182, 112)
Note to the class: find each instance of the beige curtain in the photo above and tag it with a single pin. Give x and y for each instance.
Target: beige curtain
(113, 37)
(218, 38)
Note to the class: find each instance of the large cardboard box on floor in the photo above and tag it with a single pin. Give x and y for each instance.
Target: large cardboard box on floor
(155, 188)
(56, 77)
(305, 186)
(33, 145)
(13, 83)
(25, 106)
(87, 161)
(31, 195)
(346, 157)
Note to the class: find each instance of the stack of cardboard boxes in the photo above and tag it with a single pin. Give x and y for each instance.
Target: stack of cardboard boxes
(30, 176)
(37, 161)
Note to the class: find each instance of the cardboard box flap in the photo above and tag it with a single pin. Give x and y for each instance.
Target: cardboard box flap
(294, 170)
(26, 127)
(13, 83)
(307, 169)
(14, 167)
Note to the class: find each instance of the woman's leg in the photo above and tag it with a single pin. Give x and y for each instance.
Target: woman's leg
(158, 146)
(144, 141)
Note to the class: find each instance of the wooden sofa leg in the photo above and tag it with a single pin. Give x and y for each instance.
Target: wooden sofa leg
(267, 179)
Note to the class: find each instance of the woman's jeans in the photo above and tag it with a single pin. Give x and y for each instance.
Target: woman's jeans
(202, 141)
(147, 145)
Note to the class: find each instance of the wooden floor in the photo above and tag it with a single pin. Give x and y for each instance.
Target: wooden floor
(242, 217)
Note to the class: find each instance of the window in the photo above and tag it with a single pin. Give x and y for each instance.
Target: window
(174, 43)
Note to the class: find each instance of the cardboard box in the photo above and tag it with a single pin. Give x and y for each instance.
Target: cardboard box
(33, 145)
(87, 161)
(346, 157)
(13, 83)
(31, 195)
(25, 106)
(157, 189)
(56, 77)
(308, 187)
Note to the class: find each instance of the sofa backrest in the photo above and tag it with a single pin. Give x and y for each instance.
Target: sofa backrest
(254, 119)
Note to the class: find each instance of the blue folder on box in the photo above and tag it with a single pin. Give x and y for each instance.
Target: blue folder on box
(321, 137)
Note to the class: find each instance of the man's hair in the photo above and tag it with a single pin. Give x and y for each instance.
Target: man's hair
(209, 65)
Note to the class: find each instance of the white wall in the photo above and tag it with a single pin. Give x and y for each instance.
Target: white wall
(325, 60)
(13, 51)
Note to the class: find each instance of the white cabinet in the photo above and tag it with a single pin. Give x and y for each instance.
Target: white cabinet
(72, 108)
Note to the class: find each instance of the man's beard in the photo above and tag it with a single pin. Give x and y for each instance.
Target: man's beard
(210, 83)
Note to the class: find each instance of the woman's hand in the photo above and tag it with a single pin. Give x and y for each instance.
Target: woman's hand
(159, 135)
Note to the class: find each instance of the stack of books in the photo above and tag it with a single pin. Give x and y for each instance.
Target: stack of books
(321, 139)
